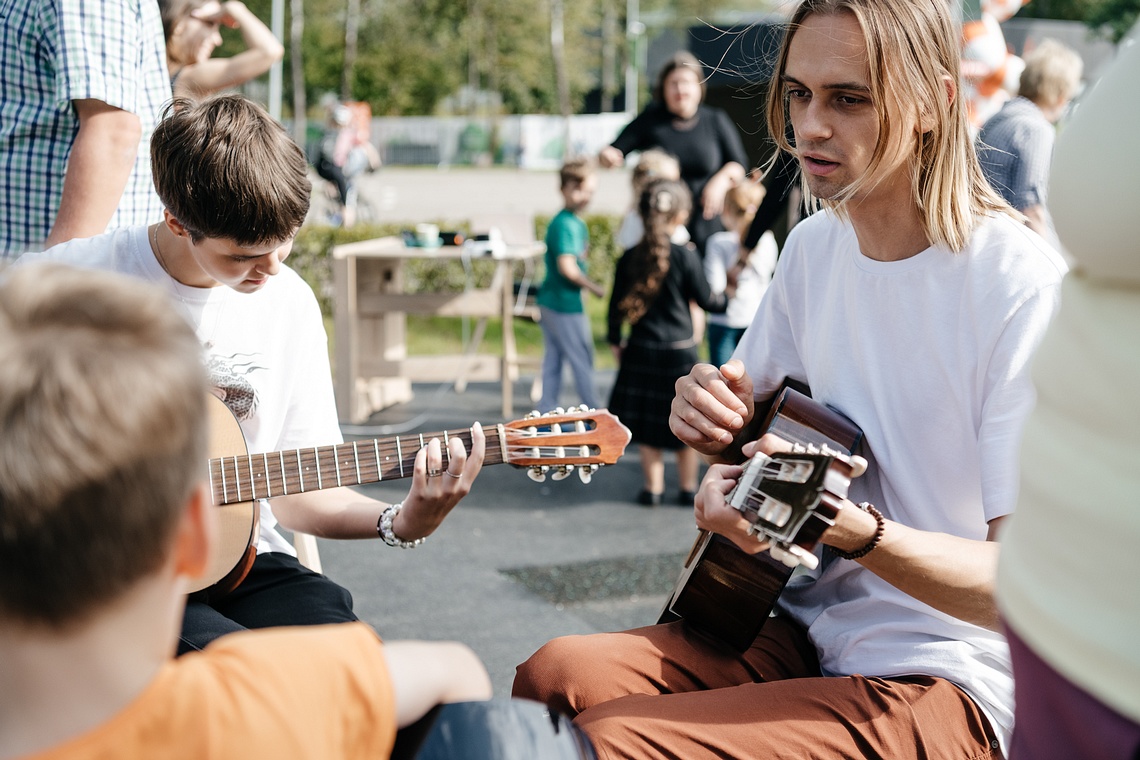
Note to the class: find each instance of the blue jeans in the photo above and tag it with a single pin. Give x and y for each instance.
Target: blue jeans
(566, 340)
(722, 342)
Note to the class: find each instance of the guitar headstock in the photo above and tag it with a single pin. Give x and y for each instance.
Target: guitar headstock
(778, 493)
(565, 440)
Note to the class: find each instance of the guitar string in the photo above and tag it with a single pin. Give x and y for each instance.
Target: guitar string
(326, 461)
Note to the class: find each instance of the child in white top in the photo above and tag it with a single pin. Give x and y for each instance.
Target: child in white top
(653, 164)
(751, 271)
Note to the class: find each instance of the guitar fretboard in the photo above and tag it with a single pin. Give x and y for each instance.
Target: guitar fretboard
(263, 476)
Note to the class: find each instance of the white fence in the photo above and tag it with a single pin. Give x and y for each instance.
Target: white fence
(529, 142)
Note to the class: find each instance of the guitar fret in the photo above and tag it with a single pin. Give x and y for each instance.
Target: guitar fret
(237, 480)
(284, 478)
(502, 432)
(317, 464)
(356, 461)
(268, 484)
(399, 456)
(336, 464)
(376, 449)
(300, 471)
(252, 479)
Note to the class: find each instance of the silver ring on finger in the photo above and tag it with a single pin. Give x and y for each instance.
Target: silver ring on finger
(434, 473)
(449, 473)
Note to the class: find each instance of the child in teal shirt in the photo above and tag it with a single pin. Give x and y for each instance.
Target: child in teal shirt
(565, 328)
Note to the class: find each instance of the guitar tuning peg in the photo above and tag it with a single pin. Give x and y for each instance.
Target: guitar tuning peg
(586, 471)
(537, 473)
(562, 472)
(532, 414)
(559, 410)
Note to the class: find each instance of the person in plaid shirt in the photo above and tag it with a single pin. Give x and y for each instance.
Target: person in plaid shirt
(82, 83)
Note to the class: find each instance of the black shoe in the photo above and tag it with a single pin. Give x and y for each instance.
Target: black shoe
(650, 499)
(686, 498)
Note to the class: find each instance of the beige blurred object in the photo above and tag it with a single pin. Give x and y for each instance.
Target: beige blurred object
(1094, 188)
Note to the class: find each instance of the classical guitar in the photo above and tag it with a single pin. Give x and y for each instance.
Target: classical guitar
(554, 443)
(790, 499)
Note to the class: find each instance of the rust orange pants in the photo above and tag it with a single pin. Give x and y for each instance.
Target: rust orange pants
(660, 692)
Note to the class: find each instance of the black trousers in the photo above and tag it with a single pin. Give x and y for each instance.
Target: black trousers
(278, 591)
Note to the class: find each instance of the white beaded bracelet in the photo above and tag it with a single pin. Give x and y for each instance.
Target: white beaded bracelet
(384, 528)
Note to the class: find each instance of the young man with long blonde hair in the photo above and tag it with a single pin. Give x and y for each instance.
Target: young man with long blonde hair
(910, 302)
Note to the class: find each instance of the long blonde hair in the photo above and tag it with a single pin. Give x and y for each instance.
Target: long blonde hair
(912, 46)
(661, 203)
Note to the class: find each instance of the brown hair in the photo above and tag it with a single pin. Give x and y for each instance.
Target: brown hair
(661, 203)
(102, 404)
(174, 11)
(912, 45)
(682, 59)
(225, 169)
(575, 171)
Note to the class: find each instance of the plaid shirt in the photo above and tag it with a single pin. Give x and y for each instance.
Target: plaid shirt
(1015, 148)
(51, 53)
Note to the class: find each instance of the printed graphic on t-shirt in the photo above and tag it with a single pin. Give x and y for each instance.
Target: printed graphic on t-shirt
(229, 375)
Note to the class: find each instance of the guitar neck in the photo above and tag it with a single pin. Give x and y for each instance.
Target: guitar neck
(244, 478)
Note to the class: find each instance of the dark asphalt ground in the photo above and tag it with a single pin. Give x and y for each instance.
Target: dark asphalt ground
(517, 563)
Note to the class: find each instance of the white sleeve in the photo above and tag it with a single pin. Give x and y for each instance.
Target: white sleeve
(1009, 398)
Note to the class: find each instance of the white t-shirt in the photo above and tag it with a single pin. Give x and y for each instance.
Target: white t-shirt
(267, 352)
(721, 252)
(929, 357)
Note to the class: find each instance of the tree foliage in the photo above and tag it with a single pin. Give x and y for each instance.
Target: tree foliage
(414, 56)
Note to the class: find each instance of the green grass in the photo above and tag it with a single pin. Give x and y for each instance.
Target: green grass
(445, 335)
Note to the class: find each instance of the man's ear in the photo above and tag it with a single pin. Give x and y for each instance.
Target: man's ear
(927, 120)
(196, 535)
(175, 226)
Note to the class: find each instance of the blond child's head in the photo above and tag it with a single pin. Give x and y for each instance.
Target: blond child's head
(740, 204)
(654, 164)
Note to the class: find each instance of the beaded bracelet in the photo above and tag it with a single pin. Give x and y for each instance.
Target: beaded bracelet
(869, 508)
(384, 528)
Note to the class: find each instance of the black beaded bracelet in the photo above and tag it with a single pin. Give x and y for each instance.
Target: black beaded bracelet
(869, 508)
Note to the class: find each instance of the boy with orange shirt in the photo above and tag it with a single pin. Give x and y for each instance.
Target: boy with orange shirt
(105, 516)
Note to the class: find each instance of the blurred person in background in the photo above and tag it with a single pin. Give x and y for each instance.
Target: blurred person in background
(1066, 582)
(704, 140)
(192, 29)
(1015, 146)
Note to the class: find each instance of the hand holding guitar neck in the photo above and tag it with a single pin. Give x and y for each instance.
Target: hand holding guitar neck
(713, 406)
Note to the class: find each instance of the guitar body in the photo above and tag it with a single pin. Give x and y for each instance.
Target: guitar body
(727, 594)
(237, 523)
(576, 441)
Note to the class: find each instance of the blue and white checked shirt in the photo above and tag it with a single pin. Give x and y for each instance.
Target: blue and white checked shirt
(1015, 148)
(51, 53)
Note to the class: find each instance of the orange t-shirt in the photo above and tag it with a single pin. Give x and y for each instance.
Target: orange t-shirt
(319, 692)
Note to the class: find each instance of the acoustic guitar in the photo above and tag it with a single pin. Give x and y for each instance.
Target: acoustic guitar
(790, 499)
(554, 443)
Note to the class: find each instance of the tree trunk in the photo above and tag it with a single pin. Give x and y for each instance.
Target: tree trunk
(351, 26)
(558, 50)
(300, 109)
(609, 56)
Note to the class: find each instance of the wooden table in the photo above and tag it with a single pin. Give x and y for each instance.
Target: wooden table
(372, 367)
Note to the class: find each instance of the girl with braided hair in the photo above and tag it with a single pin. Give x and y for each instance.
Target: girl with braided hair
(653, 285)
